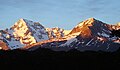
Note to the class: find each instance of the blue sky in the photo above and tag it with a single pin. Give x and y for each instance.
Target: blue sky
(62, 13)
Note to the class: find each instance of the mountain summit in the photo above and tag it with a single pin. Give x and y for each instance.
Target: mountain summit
(24, 32)
(90, 34)
(91, 27)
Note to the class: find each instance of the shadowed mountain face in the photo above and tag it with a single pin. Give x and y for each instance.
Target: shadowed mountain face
(90, 34)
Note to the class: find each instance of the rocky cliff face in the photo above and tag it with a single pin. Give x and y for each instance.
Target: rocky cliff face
(55, 32)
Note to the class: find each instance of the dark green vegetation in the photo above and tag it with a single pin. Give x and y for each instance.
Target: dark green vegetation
(46, 58)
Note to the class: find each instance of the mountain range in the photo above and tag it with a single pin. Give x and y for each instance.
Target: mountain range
(90, 34)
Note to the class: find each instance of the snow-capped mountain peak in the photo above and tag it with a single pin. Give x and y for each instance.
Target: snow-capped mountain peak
(24, 32)
(91, 27)
(90, 34)
(86, 22)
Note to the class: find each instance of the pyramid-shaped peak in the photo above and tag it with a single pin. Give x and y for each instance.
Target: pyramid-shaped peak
(22, 22)
(27, 23)
(25, 20)
(84, 25)
(22, 19)
(91, 19)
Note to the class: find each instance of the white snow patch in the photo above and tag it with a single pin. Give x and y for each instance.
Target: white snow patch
(72, 36)
(89, 42)
(70, 41)
(14, 44)
(66, 32)
(103, 34)
(8, 36)
(80, 24)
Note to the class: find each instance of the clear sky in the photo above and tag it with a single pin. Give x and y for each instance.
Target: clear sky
(58, 13)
